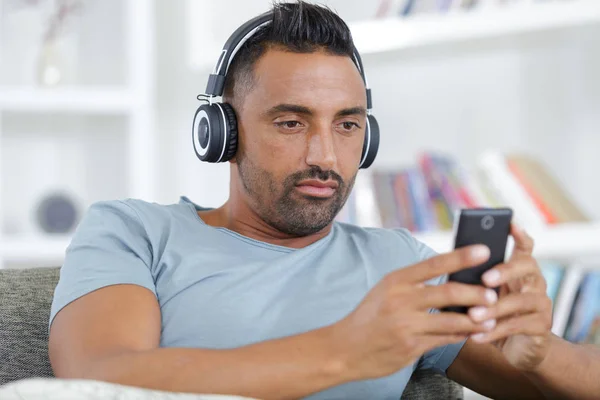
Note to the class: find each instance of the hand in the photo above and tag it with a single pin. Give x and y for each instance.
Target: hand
(524, 311)
(393, 326)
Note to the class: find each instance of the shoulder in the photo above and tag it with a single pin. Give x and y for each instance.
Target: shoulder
(397, 241)
(390, 249)
(130, 221)
(137, 211)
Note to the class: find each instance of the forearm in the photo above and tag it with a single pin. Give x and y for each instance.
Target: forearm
(291, 367)
(570, 371)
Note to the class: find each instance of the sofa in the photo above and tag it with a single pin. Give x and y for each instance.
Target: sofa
(25, 300)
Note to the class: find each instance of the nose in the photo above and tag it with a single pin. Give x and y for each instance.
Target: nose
(321, 150)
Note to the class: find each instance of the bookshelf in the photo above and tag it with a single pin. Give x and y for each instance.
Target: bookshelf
(35, 249)
(392, 34)
(397, 34)
(568, 242)
(89, 100)
(92, 136)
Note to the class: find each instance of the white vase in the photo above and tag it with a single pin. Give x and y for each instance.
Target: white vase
(51, 65)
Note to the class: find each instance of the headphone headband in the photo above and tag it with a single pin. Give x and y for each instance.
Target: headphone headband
(216, 80)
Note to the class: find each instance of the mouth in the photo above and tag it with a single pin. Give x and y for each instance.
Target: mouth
(317, 188)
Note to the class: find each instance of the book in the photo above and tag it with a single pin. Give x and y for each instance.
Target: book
(546, 188)
(425, 196)
(566, 298)
(494, 167)
(443, 202)
(586, 308)
(424, 212)
(553, 273)
(386, 201)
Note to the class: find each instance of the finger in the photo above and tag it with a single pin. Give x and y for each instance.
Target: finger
(514, 269)
(452, 324)
(523, 242)
(530, 324)
(456, 260)
(512, 304)
(453, 294)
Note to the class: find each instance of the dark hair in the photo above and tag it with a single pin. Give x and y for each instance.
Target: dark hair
(299, 27)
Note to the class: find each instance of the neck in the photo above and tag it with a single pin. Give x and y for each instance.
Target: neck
(237, 216)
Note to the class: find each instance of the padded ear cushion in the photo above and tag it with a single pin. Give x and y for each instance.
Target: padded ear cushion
(371, 143)
(207, 133)
(232, 132)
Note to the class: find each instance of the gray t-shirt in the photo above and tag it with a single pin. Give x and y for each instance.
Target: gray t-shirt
(218, 289)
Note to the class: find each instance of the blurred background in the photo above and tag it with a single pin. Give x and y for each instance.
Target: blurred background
(480, 102)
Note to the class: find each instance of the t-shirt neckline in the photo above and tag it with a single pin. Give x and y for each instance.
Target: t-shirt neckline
(283, 249)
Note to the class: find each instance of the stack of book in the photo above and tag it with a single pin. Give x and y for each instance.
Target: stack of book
(406, 8)
(575, 294)
(425, 197)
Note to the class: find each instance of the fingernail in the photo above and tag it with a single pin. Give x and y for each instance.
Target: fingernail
(478, 337)
(478, 313)
(491, 277)
(489, 324)
(491, 296)
(480, 251)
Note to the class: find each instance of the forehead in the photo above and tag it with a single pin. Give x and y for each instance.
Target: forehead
(323, 80)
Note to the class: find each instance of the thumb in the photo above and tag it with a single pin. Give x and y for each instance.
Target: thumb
(523, 242)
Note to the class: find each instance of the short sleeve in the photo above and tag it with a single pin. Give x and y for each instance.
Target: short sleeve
(110, 246)
(440, 358)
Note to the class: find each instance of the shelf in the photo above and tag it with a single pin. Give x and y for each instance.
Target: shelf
(34, 248)
(564, 241)
(394, 34)
(72, 100)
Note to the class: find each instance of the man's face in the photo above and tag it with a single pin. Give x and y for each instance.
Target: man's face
(301, 129)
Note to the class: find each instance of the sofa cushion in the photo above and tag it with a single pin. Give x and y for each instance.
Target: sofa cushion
(25, 300)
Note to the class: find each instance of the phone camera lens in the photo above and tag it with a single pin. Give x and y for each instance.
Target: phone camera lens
(487, 222)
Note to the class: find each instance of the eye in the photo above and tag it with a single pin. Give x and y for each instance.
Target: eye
(289, 124)
(349, 126)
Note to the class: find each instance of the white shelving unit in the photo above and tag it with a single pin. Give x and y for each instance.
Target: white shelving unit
(34, 249)
(396, 34)
(563, 242)
(131, 102)
(69, 100)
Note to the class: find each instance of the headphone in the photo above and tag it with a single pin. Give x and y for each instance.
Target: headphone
(214, 130)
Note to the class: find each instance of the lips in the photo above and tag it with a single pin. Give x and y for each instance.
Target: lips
(317, 188)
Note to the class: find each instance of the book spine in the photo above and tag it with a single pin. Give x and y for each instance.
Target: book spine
(441, 208)
(533, 195)
(514, 195)
(566, 298)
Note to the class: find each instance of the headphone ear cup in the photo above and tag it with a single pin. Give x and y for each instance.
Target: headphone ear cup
(371, 143)
(212, 131)
(232, 132)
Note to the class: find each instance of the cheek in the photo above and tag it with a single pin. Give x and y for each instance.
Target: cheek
(348, 154)
(266, 163)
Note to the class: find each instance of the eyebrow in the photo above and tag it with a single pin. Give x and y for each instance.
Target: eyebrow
(298, 109)
(295, 108)
(352, 111)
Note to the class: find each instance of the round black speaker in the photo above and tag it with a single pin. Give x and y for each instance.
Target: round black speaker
(57, 213)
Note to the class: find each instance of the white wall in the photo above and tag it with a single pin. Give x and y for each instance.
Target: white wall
(182, 173)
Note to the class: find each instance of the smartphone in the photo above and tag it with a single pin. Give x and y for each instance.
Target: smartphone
(488, 226)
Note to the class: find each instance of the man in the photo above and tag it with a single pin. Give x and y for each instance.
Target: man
(266, 296)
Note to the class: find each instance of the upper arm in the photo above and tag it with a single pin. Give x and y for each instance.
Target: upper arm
(484, 369)
(105, 322)
(105, 301)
